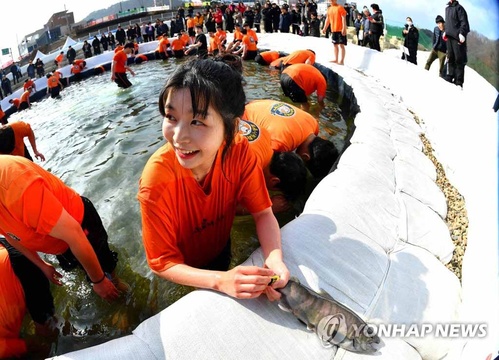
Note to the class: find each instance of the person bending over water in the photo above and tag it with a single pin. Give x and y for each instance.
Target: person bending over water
(191, 186)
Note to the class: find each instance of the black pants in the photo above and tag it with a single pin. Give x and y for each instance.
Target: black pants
(122, 80)
(375, 41)
(97, 236)
(36, 287)
(457, 59)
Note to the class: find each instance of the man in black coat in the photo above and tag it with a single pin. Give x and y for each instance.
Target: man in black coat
(70, 54)
(120, 35)
(457, 28)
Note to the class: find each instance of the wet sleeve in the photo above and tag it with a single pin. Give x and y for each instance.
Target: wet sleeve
(253, 194)
(158, 234)
(40, 208)
(321, 86)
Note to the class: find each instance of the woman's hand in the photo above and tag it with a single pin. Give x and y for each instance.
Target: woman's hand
(245, 282)
(106, 290)
(280, 269)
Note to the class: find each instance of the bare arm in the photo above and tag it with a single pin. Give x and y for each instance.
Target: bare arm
(69, 230)
(32, 141)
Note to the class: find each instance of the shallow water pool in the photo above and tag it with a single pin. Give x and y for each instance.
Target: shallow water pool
(97, 139)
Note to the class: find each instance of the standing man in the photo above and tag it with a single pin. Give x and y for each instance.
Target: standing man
(456, 29)
(119, 66)
(376, 27)
(120, 35)
(70, 54)
(336, 20)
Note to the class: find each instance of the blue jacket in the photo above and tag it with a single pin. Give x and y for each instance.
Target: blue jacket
(438, 42)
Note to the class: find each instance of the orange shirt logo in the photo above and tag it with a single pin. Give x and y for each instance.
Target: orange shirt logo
(249, 130)
(282, 109)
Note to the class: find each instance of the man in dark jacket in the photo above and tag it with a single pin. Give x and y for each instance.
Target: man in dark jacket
(120, 35)
(70, 54)
(457, 28)
(439, 48)
(377, 26)
(96, 45)
(285, 20)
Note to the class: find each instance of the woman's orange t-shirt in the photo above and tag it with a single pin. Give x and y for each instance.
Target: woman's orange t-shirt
(184, 222)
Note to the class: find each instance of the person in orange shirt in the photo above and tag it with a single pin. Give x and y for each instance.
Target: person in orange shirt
(140, 58)
(236, 42)
(221, 34)
(118, 48)
(215, 45)
(296, 57)
(283, 171)
(190, 187)
(54, 84)
(15, 102)
(185, 37)
(58, 59)
(23, 288)
(23, 102)
(266, 57)
(29, 83)
(191, 24)
(12, 140)
(178, 46)
(248, 49)
(119, 67)
(298, 81)
(336, 20)
(163, 49)
(250, 32)
(292, 129)
(39, 213)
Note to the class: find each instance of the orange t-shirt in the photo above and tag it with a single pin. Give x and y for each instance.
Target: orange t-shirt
(334, 14)
(269, 56)
(118, 49)
(16, 103)
(259, 140)
(28, 84)
(53, 81)
(31, 202)
(191, 23)
(25, 96)
(163, 44)
(238, 35)
(12, 309)
(288, 125)
(185, 38)
(296, 57)
(178, 44)
(199, 20)
(250, 43)
(79, 62)
(214, 43)
(308, 78)
(184, 222)
(75, 69)
(252, 33)
(120, 60)
(221, 34)
(59, 58)
(21, 130)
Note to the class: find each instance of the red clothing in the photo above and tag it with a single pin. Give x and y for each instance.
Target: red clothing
(120, 60)
(214, 43)
(250, 43)
(28, 84)
(53, 81)
(296, 57)
(21, 130)
(334, 14)
(178, 44)
(79, 62)
(288, 125)
(31, 202)
(238, 35)
(163, 44)
(12, 309)
(185, 38)
(184, 222)
(259, 140)
(59, 58)
(307, 77)
(16, 103)
(25, 96)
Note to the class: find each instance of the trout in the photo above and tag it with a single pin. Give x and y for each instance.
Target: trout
(334, 323)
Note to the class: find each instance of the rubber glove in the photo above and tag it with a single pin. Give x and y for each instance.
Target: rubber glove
(461, 38)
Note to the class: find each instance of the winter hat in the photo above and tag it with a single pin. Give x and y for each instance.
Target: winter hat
(439, 19)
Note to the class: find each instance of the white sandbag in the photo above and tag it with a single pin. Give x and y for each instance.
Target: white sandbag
(403, 135)
(128, 347)
(376, 138)
(364, 156)
(414, 182)
(425, 228)
(418, 159)
(419, 290)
